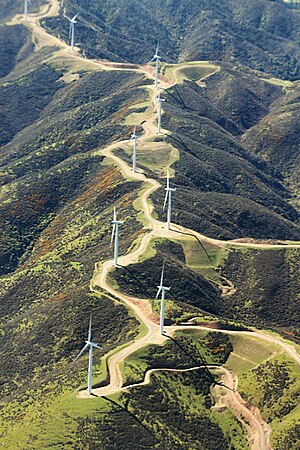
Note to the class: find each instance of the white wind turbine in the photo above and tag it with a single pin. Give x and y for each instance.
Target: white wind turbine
(159, 101)
(168, 198)
(72, 28)
(92, 345)
(134, 137)
(26, 8)
(162, 289)
(115, 234)
(156, 58)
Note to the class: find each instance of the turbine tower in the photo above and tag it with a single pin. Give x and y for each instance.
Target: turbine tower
(156, 58)
(159, 101)
(72, 28)
(168, 198)
(26, 8)
(162, 289)
(90, 344)
(134, 137)
(115, 234)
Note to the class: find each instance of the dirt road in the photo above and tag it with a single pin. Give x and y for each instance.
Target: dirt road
(258, 430)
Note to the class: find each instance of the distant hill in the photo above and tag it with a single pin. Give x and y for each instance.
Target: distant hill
(262, 34)
(224, 189)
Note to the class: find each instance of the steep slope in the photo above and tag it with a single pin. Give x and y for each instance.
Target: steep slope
(276, 138)
(223, 189)
(42, 167)
(57, 196)
(263, 34)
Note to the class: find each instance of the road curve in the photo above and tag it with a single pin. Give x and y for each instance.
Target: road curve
(154, 228)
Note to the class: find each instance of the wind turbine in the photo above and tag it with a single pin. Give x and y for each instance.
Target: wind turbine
(90, 344)
(26, 8)
(168, 198)
(162, 289)
(134, 137)
(159, 101)
(115, 234)
(156, 58)
(72, 28)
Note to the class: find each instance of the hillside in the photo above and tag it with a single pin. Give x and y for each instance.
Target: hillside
(263, 34)
(231, 256)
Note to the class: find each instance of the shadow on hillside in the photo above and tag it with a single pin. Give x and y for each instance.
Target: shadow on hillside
(199, 361)
(125, 408)
(142, 286)
(196, 237)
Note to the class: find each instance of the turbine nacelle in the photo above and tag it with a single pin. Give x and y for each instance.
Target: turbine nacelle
(92, 344)
(134, 135)
(160, 289)
(73, 20)
(156, 56)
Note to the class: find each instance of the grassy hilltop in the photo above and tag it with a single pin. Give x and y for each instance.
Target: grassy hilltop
(262, 34)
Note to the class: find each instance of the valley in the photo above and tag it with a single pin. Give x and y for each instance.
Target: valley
(140, 192)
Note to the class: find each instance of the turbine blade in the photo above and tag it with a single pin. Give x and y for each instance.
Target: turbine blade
(29, 2)
(168, 180)
(70, 30)
(73, 18)
(113, 234)
(158, 292)
(162, 275)
(157, 48)
(134, 130)
(96, 345)
(166, 199)
(80, 353)
(90, 329)
(115, 214)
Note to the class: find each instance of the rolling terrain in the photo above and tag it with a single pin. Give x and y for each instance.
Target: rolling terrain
(63, 168)
(262, 34)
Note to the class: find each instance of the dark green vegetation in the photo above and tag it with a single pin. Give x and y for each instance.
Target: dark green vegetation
(187, 288)
(260, 33)
(267, 292)
(15, 45)
(224, 190)
(56, 204)
(23, 100)
(44, 167)
(174, 410)
(180, 352)
(274, 388)
(276, 138)
(266, 282)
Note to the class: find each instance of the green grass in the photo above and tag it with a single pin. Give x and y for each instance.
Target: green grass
(231, 427)
(193, 71)
(274, 387)
(249, 352)
(198, 261)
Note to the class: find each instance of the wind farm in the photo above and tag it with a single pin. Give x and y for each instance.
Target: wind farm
(196, 355)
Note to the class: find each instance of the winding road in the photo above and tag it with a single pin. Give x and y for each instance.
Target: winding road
(226, 395)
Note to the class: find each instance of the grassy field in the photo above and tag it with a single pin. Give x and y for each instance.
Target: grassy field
(197, 259)
(249, 352)
(190, 71)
